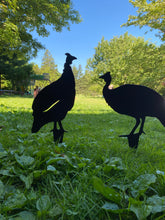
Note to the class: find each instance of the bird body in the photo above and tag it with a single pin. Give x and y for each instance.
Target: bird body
(54, 101)
(136, 101)
(61, 89)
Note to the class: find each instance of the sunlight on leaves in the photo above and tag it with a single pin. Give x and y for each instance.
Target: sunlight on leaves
(107, 192)
(55, 211)
(15, 201)
(24, 161)
(139, 208)
(141, 184)
(157, 203)
(25, 215)
(28, 180)
(43, 203)
(114, 163)
(114, 208)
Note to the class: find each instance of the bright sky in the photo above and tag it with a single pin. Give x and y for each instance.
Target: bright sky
(101, 18)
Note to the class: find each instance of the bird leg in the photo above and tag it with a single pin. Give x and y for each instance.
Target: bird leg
(136, 125)
(56, 133)
(61, 127)
(133, 139)
(61, 131)
(141, 127)
(133, 130)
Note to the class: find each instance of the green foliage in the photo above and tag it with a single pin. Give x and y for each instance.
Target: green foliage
(81, 80)
(109, 193)
(19, 18)
(85, 85)
(130, 60)
(150, 13)
(49, 68)
(95, 176)
(16, 71)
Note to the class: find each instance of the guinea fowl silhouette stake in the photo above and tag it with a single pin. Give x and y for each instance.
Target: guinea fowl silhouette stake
(136, 101)
(54, 101)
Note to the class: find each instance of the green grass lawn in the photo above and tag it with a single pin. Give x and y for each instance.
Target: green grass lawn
(99, 176)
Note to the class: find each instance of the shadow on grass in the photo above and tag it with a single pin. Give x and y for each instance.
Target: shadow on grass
(84, 130)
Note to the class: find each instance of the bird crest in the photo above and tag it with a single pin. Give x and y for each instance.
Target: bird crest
(69, 58)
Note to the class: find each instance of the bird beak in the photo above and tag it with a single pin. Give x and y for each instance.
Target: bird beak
(74, 58)
(101, 77)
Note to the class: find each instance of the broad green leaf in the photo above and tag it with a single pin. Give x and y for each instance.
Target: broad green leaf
(81, 165)
(112, 207)
(70, 212)
(15, 201)
(107, 192)
(1, 188)
(114, 163)
(62, 159)
(3, 152)
(5, 173)
(24, 161)
(10, 190)
(43, 203)
(28, 180)
(1, 148)
(157, 203)
(160, 172)
(25, 215)
(141, 184)
(32, 195)
(55, 211)
(2, 217)
(52, 169)
(38, 173)
(53, 160)
(140, 208)
(70, 162)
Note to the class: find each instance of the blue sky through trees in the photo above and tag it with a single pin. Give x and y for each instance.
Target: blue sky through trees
(101, 18)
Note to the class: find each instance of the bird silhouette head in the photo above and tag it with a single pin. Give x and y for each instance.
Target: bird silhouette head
(106, 77)
(69, 58)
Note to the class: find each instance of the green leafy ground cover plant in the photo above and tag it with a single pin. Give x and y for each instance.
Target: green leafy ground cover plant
(96, 176)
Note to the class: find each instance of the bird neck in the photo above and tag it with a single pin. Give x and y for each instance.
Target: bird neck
(68, 73)
(66, 65)
(108, 83)
(67, 68)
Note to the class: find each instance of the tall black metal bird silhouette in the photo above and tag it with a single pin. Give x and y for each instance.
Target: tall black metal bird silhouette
(54, 101)
(136, 101)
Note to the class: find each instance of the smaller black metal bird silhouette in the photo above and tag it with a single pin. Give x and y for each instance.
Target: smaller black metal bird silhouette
(136, 101)
(54, 101)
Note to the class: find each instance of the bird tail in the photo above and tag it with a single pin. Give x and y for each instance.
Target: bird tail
(161, 114)
(162, 120)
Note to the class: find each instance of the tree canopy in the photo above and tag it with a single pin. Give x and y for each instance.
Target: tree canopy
(48, 70)
(150, 13)
(16, 72)
(130, 60)
(18, 18)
